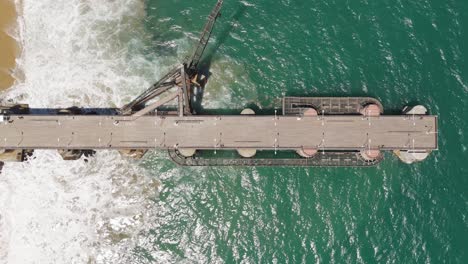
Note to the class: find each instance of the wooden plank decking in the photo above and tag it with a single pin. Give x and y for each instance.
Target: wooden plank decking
(336, 132)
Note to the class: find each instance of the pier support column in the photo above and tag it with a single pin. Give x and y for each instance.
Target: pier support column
(310, 112)
(187, 152)
(133, 153)
(18, 155)
(370, 154)
(70, 154)
(74, 154)
(370, 110)
(247, 152)
(248, 111)
(307, 152)
(410, 157)
(415, 110)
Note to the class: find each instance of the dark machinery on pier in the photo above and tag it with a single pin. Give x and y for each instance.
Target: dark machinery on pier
(181, 78)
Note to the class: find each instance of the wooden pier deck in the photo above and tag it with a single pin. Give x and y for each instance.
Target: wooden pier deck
(334, 132)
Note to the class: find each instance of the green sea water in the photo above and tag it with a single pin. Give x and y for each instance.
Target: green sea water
(400, 52)
(108, 209)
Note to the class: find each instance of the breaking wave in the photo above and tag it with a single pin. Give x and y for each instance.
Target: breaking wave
(83, 53)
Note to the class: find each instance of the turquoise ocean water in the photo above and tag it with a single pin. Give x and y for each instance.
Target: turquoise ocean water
(112, 210)
(401, 52)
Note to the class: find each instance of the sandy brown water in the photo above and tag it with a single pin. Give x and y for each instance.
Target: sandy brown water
(8, 46)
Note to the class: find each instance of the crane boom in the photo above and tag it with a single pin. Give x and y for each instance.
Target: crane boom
(178, 77)
(204, 38)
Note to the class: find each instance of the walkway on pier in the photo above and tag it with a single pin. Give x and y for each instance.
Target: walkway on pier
(342, 132)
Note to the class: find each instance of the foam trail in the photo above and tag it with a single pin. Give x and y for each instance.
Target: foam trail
(84, 53)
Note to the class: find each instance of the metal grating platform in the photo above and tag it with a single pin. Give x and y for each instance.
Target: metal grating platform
(325, 159)
(327, 105)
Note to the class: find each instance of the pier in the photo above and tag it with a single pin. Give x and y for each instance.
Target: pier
(328, 132)
(319, 131)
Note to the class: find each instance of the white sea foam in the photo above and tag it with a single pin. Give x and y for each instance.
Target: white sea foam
(81, 52)
(89, 54)
(56, 211)
(84, 53)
